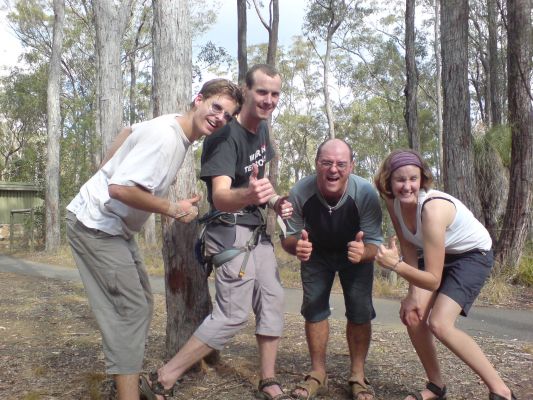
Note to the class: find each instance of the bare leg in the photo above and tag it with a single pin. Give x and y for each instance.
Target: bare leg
(442, 324)
(192, 352)
(268, 350)
(317, 334)
(424, 343)
(358, 337)
(127, 386)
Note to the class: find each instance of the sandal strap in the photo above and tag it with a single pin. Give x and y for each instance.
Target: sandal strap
(263, 383)
(316, 376)
(437, 391)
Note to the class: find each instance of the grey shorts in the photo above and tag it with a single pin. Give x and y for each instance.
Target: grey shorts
(119, 293)
(464, 275)
(259, 290)
(356, 280)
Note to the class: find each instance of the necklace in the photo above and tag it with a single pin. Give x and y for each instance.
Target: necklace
(333, 208)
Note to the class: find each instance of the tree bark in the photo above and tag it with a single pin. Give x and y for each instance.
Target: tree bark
(110, 23)
(242, 51)
(494, 70)
(520, 203)
(53, 236)
(438, 90)
(187, 295)
(411, 87)
(459, 175)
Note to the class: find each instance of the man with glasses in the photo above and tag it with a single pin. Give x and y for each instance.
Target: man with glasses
(335, 227)
(233, 167)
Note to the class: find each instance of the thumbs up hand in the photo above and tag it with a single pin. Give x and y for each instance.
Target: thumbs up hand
(356, 248)
(259, 190)
(387, 256)
(304, 247)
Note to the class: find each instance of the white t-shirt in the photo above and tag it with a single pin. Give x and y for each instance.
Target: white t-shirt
(150, 157)
(465, 233)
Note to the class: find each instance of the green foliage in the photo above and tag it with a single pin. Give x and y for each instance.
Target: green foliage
(524, 275)
(500, 139)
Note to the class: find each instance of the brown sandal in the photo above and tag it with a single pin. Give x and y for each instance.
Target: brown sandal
(357, 388)
(314, 384)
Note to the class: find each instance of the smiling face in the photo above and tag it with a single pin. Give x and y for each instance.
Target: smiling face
(333, 167)
(212, 113)
(261, 99)
(405, 184)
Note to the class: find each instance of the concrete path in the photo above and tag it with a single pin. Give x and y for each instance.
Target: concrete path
(483, 321)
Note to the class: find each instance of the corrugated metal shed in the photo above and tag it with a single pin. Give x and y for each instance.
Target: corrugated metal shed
(16, 196)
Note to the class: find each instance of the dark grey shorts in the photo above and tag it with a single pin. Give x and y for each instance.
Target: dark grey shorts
(464, 275)
(356, 280)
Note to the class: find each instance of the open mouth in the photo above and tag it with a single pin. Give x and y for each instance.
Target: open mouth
(332, 178)
(213, 124)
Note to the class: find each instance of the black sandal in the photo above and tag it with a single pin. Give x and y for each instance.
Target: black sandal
(263, 383)
(151, 387)
(437, 391)
(494, 396)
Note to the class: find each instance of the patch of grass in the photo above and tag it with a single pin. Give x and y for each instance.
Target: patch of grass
(497, 290)
(62, 257)
(525, 270)
(94, 382)
(389, 286)
(40, 371)
(32, 396)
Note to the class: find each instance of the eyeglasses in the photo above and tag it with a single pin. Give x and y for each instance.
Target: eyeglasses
(216, 109)
(341, 165)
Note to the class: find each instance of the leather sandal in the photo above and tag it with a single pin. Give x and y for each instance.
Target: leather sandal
(263, 383)
(437, 391)
(314, 384)
(150, 387)
(357, 388)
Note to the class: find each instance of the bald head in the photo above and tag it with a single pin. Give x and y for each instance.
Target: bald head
(334, 144)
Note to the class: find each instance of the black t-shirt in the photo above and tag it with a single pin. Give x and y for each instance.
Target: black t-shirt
(231, 151)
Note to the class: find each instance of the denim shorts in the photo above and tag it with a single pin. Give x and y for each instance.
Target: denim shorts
(464, 275)
(356, 280)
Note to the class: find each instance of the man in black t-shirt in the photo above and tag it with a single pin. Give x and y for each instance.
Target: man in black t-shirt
(233, 167)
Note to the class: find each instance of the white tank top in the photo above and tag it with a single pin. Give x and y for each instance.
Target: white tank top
(465, 233)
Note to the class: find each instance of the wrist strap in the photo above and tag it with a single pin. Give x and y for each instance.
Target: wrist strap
(397, 263)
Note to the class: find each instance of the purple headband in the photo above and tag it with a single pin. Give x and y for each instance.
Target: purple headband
(404, 158)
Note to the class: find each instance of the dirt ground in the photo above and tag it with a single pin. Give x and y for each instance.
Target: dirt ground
(50, 349)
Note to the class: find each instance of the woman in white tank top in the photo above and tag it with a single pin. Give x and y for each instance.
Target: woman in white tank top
(457, 259)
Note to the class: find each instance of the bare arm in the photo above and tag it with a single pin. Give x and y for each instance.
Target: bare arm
(137, 197)
(437, 215)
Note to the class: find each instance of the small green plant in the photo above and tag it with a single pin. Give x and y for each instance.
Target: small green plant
(525, 270)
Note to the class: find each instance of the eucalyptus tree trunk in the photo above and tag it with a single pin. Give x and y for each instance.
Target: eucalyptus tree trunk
(53, 236)
(411, 86)
(272, 27)
(438, 89)
(111, 19)
(242, 51)
(458, 172)
(520, 203)
(187, 295)
(494, 70)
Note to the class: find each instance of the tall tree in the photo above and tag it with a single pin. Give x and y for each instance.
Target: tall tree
(110, 20)
(242, 54)
(187, 296)
(411, 86)
(520, 203)
(494, 70)
(53, 237)
(458, 173)
(272, 26)
(323, 18)
(438, 88)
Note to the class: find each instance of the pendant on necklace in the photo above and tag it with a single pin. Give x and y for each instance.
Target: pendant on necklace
(330, 210)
